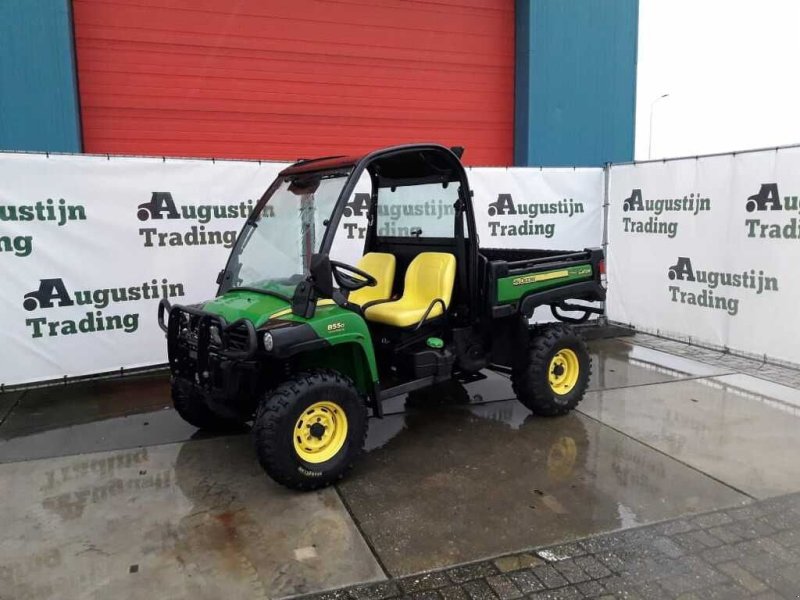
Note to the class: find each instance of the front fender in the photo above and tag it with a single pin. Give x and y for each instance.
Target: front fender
(335, 326)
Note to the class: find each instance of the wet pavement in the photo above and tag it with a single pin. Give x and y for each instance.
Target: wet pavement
(192, 520)
(109, 414)
(734, 554)
(7, 403)
(108, 494)
(749, 441)
(457, 485)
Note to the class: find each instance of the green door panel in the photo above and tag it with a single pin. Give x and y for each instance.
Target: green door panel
(514, 287)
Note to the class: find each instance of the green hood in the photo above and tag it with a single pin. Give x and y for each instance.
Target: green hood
(255, 307)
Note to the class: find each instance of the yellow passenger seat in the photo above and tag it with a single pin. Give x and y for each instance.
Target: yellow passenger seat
(381, 266)
(429, 276)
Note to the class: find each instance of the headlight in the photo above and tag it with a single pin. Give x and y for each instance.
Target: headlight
(268, 342)
(214, 336)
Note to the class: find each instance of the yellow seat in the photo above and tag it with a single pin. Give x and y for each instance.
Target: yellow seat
(429, 276)
(381, 266)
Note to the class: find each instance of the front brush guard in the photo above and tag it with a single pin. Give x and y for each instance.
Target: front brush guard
(206, 320)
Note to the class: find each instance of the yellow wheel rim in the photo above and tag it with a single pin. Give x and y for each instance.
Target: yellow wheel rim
(320, 432)
(563, 371)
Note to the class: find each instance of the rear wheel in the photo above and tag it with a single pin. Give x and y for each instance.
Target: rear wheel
(192, 408)
(310, 429)
(552, 377)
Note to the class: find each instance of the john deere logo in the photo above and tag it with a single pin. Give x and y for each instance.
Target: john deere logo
(56, 213)
(162, 206)
(338, 326)
(53, 293)
(526, 214)
(710, 281)
(692, 204)
(768, 200)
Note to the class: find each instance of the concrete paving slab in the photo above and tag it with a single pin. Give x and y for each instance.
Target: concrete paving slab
(620, 363)
(58, 406)
(763, 389)
(458, 484)
(704, 557)
(745, 439)
(144, 429)
(8, 400)
(194, 520)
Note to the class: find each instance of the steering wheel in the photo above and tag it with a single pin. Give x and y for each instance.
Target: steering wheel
(348, 282)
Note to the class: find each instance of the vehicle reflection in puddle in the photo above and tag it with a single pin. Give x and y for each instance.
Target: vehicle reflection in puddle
(453, 483)
(193, 520)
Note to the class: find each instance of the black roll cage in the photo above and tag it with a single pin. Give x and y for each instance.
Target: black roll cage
(330, 165)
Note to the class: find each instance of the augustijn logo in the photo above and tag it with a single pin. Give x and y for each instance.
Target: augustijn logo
(163, 207)
(526, 216)
(395, 219)
(692, 204)
(54, 293)
(56, 213)
(710, 282)
(768, 200)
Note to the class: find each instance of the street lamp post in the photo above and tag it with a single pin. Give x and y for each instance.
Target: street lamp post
(650, 137)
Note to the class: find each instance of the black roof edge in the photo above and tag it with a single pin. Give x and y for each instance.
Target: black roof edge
(323, 163)
(308, 160)
(338, 162)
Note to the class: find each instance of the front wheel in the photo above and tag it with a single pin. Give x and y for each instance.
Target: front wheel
(310, 429)
(552, 377)
(192, 407)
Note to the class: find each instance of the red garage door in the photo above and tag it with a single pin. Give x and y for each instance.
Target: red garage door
(280, 80)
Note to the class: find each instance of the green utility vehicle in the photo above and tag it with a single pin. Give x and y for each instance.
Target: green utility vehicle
(305, 345)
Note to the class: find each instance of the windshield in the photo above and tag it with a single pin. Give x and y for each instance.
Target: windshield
(274, 250)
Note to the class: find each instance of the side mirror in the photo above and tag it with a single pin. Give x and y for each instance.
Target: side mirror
(321, 274)
(318, 284)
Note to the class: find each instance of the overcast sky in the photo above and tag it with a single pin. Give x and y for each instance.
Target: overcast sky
(732, 72)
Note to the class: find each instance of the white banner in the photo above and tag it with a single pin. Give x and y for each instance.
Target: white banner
(550, 209)
(707, 249)
(89, 245)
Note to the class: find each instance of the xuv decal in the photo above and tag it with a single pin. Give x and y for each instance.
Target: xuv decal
(526, 279)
